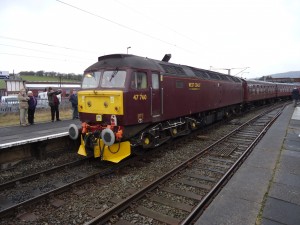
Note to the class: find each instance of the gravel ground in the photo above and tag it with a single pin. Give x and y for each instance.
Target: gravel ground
(32, 166)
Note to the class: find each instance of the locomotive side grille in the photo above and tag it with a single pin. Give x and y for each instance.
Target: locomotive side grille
(201, 74)
(174, 70)
(214, 75)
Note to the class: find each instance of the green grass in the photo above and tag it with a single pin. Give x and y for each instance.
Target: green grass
(40, 116)
(2, 84)
(47, 79)
(42, 79)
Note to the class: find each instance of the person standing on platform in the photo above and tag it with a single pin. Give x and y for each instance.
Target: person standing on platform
(54, 103)
(295, 96)
(74, 100)
(23, 106)
(31, 109)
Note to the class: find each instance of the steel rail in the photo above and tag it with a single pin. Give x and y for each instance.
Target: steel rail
(33, 176)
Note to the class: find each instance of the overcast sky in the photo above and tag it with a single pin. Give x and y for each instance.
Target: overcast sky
(68, 36)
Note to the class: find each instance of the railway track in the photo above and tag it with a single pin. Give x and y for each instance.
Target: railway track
(25, 190)
(34, 188)
(191, 186)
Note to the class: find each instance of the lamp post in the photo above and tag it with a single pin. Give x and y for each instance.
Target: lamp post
(60, 80)
(127, 49)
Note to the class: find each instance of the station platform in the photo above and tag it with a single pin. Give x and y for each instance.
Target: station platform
(266, 188)
(17, 135)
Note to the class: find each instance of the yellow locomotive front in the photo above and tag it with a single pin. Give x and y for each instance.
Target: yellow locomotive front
(101, 111)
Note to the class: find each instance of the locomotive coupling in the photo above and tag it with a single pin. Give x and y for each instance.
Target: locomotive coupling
(104, 142)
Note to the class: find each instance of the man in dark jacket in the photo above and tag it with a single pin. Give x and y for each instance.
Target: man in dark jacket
(31, 107)
(295, 96)
(53, 103)
(73, 99)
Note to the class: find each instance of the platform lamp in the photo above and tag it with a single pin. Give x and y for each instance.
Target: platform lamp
(127, 49)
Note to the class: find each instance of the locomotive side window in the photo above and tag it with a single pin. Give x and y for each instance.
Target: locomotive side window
(139, 80)
(155, 81)
(91, 80)
(114, 79)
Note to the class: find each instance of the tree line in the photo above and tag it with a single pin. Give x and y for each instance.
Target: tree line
(41, 73)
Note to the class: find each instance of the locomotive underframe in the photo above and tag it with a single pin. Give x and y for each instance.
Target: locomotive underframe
(159, 133)
(92, 142)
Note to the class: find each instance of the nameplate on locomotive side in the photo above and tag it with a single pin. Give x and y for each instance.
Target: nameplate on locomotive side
(194, 86)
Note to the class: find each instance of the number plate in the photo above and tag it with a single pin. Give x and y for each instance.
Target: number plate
(98, 117)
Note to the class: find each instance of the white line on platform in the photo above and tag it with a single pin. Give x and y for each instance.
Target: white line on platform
(296, 114)
(32, 140)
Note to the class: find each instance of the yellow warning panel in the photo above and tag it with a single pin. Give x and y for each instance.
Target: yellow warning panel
(81, 150)
(114, 153)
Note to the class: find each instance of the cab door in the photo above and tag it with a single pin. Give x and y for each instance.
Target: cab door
(155, 93)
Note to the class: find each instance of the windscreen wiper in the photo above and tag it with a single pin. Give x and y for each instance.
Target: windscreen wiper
(114, 74)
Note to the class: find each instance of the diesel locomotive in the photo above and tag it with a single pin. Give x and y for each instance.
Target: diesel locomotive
(127, 101)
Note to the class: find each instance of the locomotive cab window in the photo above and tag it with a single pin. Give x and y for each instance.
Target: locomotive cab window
(113, 79)
(139, 80)
(155, 81)
(91, 80)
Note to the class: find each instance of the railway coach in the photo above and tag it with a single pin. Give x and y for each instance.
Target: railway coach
(284, 90)
(127, 101)
(259, 92)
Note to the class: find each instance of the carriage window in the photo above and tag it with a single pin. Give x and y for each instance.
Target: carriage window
(91, 80)
(155, 81)
(139, 80)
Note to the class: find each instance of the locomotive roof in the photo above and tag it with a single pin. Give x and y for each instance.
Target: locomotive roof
(133, 61)
(123, 61)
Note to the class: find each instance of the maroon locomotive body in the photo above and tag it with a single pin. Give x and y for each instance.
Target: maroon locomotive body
(128, 101)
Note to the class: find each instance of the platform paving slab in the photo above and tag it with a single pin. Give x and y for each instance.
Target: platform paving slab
(285, 192)
(241, 212)
(270, 222)
(281, 211)
(289, 179)
(290, 162)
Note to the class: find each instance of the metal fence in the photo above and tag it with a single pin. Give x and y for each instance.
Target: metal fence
(42, 104)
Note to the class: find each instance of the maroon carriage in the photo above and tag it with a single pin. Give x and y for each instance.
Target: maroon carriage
(259, 92)
(284, 90)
